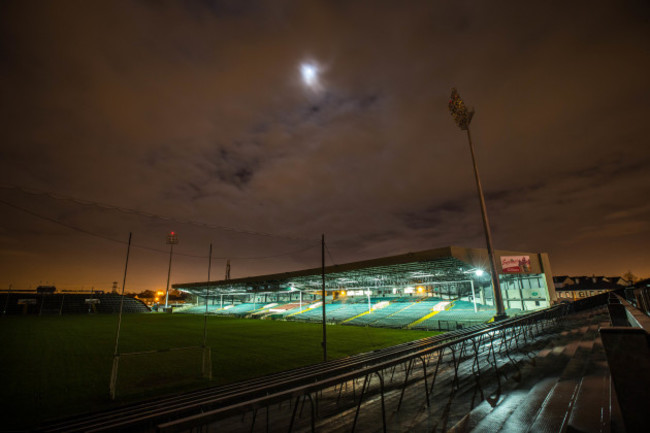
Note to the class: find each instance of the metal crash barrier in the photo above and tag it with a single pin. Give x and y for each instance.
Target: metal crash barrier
(430, 372)
(480, 345)
(627, 345)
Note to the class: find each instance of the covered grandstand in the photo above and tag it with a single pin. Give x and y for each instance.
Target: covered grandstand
(21, 303)
(444, 288)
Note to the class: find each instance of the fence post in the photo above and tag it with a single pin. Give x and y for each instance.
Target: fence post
(116, 353)
(207, 363)
(113, 383)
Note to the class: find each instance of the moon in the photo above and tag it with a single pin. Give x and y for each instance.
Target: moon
(309, 73)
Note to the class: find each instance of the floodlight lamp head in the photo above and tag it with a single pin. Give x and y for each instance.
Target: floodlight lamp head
(462, 116)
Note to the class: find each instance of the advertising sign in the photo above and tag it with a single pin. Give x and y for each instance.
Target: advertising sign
(515, 264)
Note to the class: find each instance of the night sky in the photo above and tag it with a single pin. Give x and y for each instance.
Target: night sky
(149, 112)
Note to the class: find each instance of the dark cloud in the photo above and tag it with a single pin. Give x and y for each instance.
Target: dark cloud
(195, 110)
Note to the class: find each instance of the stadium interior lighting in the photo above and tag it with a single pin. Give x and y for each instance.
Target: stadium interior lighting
(478, 272)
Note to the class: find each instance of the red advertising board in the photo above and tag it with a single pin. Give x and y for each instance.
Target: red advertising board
(515, 264)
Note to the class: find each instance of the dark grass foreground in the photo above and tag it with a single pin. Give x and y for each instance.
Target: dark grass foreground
(55, 366)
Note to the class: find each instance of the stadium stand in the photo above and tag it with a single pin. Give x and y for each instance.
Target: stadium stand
(413, 312)
(408, 313)
(314, 312)
(237, 310)
(377, 315)
(68, 303)
(390, 312)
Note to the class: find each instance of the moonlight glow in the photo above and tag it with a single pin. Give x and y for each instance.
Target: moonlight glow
(309, 73)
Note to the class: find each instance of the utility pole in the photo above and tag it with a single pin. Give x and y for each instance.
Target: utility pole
(324, 342)
(116, 352)
(4, 311)
(463, 117)
(172, 239)
(207, 353)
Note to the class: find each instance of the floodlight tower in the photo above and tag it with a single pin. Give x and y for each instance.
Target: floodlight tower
(172, 239)
(463, 117)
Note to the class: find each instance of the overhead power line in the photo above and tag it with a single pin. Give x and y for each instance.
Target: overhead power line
(108, 238)
(91, 203)
(330, 254)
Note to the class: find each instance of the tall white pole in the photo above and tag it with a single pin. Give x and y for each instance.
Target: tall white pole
(116, 352)
(324, 342)
(171, 240)
(368, 293)
(473, 294)
(462, 116)
(207, 353)
(498, 298)
(169, 273)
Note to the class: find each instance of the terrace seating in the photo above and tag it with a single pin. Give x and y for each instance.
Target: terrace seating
(400, 312)
(591, 377)
(346, 311)
(461, 314)
(198, 309)
(377, 315)
(409, 313)
(316, 314)
(71, 303)
(238, 309)
(285, 307)
(566, 388)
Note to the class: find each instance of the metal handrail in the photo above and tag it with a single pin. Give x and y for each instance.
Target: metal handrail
(150, 409)
(248, 393)
(213, 415)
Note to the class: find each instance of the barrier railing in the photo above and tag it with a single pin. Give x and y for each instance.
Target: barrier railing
(627, 345)
(481, 344)
(493, 351)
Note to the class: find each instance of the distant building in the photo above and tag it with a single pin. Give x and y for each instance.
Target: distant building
(571, 288)
(642, 284)
(46, 290)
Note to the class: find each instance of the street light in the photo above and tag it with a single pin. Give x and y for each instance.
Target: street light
(462, 116)
(172, 239)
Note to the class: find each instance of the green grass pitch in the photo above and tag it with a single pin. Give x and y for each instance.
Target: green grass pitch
(54, 366)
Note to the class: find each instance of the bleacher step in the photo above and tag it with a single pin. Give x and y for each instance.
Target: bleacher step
(494, 419)
(532, 393)
(554, 412)
(544, 406)
(524, 415)
(590, 412)
(471, 420)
